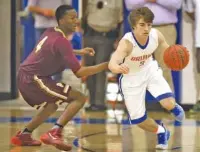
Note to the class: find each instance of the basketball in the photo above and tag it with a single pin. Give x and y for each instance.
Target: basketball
(176, 57)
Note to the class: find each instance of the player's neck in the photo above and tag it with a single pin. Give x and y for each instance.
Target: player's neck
(140, 39)
(65, 32)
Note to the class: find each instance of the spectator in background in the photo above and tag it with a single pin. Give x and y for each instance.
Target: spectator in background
(44, 16)
(43, 12)
(192, 8)
(101, 24)
(77, 40)
(165, 19)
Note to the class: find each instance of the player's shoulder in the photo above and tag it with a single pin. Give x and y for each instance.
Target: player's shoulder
(128, 37)
(62, 43)
(128, 34)
(153, 31)
(54, 33)
(154, 34)
(49, 31)
(126, 45)
(58, 36)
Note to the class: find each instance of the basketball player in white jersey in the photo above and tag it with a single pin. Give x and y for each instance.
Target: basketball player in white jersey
(140, 72)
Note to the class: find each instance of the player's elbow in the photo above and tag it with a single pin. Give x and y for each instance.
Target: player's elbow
(78, 75)
(81, 72)
(110, 66)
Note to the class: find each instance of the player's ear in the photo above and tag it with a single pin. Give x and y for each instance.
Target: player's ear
(61, 21)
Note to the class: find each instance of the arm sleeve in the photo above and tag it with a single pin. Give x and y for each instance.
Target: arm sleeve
(170, 4)
(64, 48)
(134, 4)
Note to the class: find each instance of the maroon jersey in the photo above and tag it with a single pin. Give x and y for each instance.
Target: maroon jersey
(52, 54)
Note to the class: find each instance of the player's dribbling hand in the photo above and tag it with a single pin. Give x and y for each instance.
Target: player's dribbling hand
(123, 68)
(88, 51)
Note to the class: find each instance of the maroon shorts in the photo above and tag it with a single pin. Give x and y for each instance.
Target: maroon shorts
(38, 91)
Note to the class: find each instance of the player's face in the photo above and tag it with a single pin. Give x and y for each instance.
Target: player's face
(142, 28)
(70, 21)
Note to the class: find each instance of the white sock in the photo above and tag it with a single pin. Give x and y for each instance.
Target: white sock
(160, 129)
(55, 127)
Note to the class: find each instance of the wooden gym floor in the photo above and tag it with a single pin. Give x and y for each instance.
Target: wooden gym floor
(99, 131)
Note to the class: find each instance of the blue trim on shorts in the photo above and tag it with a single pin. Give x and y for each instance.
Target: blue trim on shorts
(139, 120)
(165, 95)
(120, 88)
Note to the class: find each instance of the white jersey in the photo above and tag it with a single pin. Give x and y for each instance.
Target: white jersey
(141, 56)
(144, 74)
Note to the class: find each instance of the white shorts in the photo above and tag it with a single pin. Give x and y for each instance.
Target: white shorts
(134, 86)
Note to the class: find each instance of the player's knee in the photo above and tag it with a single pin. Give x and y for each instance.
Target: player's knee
(81, 97)
(142, 125)
(52, 106)
(78, 96)
(168, 103)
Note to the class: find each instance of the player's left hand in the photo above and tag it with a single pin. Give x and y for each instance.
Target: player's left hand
(88, 51)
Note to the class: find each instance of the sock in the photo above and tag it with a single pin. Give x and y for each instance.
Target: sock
(26, 131)
(57, 126)
(160, 129)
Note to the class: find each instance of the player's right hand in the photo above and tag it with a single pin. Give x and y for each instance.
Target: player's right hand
(123, 68)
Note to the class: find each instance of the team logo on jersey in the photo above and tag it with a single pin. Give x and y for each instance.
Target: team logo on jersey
(141, 58)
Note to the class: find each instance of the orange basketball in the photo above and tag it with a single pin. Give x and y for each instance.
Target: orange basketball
(176, 57)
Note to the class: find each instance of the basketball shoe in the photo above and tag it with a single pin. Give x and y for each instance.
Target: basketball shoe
(163, 139)
(54, 137)
(24, 140)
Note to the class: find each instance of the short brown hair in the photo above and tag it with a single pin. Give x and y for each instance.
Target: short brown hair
(137, 14)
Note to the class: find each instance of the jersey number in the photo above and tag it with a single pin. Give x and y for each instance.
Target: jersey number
(142, 63)
(39, 46)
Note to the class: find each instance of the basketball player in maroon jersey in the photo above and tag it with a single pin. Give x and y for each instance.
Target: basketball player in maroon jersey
(52, 55)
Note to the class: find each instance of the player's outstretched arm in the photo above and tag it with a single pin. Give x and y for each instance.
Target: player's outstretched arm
(162, 42)
(91, 70)
(63, 47)
(123, 50)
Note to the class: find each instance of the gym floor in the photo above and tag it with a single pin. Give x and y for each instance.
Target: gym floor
(108, 131)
